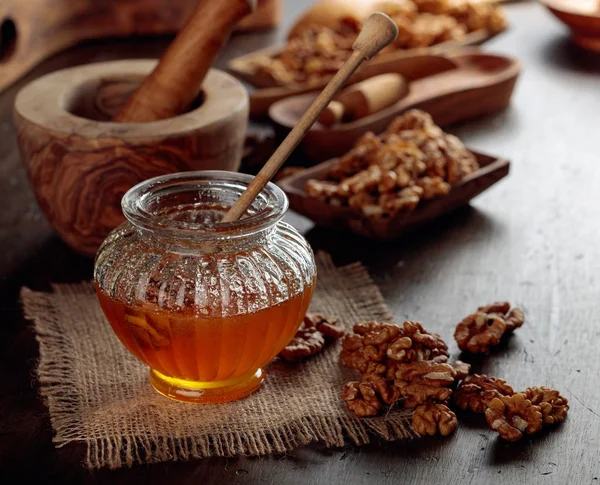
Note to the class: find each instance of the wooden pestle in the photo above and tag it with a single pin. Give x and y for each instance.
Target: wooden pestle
(177, 79)
(365, 98)
(378, 31)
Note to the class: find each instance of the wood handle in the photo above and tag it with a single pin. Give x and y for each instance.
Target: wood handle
(177, 79)
(377, 32)
(365, 98)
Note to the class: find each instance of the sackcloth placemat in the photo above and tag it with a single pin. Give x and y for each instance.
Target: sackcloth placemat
(99, 394)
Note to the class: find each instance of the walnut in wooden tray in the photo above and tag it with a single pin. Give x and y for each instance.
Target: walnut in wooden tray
(387, 184)
(322, 39)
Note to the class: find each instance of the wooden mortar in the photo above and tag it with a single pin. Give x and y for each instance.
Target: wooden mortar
(80, 164)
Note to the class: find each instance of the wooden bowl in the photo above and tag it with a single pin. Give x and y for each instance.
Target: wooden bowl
(323, 214)
(80, 164)
(582, 17)
(476, 84)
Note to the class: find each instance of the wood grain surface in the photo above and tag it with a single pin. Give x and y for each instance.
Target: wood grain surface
(532, 239)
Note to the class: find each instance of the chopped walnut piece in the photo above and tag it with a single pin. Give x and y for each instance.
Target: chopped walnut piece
(479, 16)
(423, 381)
(321, 189)
(554, 407)
(433, 187)
(307, 342)
(310, 338)
(462, 369)
(356, 355)
(388, 393)
(514, 319)
(476, 391)
(329, 326)
(376, 333)
(413, 119)
(431, 419)
(512, 416)
(479, 331)
(415, 344)
(362, 398)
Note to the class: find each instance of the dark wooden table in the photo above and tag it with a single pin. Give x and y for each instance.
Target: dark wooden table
(533, 240)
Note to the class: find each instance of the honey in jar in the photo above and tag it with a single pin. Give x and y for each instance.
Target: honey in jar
(206, 305)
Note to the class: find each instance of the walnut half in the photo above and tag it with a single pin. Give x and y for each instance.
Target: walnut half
(311, 337)
(424, 381)
(554, 407)
(431, 419)
(476, 391)
(482, 330)
(513, 416)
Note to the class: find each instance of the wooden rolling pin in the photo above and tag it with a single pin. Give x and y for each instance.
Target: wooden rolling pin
(177, 79)
(365, 98)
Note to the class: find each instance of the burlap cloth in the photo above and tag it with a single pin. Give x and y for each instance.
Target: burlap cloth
(97, 393)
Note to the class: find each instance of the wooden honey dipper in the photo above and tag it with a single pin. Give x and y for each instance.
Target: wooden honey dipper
(177, 79)
(378, 31)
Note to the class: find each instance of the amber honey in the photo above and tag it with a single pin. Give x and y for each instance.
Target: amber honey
(203, 358)
(205, 304)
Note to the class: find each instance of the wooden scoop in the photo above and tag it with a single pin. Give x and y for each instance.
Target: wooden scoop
(177, 79)
(378, 31)
(365, 98)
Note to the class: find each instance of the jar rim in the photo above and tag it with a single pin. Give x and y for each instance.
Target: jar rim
(137, 200)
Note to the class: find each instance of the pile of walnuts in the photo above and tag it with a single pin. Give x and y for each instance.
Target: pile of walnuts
(320, 51)
(413, 160)
(406, 366)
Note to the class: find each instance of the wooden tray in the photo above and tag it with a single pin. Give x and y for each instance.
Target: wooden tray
(323, 214)
(477, 84)
(243, 66)
(269, 91)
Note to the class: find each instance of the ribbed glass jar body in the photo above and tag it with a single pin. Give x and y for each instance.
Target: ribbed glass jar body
(204, 304)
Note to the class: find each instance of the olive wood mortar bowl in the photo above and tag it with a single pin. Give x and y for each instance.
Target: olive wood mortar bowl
(80, 163)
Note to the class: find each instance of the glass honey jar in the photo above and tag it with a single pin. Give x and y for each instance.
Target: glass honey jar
(206, 305)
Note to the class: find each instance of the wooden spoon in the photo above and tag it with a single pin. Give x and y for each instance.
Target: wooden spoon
(177, 79)
(377, 32)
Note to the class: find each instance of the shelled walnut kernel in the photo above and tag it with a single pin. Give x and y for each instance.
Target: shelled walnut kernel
(554, 407)
(431, 419)
(413, 161)
(311, 337)
(513, 416)
(483, 329)
(476, 392)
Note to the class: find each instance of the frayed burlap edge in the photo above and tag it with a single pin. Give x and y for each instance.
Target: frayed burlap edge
(54, 374)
